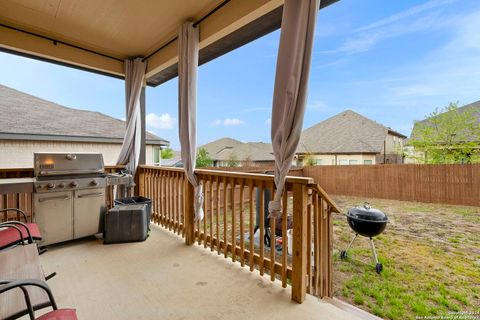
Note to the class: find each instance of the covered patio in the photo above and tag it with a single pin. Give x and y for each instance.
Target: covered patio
(148, 43)
(164, 279)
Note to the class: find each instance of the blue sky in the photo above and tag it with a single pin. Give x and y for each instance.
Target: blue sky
(392, 61)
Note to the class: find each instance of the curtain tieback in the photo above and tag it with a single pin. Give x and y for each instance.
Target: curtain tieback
(275, 208)
(198, 205)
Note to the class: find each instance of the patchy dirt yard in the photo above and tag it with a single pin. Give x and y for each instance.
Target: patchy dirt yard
(430, 255)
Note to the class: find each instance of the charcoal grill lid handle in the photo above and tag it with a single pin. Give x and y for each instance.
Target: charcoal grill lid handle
(366, 205)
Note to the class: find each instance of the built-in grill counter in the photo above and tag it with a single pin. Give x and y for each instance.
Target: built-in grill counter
(69, 195)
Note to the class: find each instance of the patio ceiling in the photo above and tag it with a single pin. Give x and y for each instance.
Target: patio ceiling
(99, 35)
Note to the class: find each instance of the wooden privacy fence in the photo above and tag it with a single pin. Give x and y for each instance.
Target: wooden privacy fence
(449, 183)
(230, 218)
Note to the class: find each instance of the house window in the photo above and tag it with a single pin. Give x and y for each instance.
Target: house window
(318, 162)
(367, 162)
(157, 157)
(343, 162)
(353, 162)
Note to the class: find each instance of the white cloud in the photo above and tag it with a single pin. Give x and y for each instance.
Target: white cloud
(228, 122)
(415, 19)
(123, 119)
(268, 121)
(164, 121)
(232, 122)
(432, 4)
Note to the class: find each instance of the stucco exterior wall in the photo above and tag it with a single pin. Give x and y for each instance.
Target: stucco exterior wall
(19, 153)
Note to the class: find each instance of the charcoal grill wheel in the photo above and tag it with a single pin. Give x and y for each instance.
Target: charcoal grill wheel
(379, 267)
(343, 254)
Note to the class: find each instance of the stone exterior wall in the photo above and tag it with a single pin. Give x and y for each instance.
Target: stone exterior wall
(19, 153)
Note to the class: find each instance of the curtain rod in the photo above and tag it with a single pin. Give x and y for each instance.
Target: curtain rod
(195, 24)
(55, 42)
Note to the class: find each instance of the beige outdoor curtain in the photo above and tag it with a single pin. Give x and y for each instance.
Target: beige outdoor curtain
(290, 92)
(187, 106)
(134, 76)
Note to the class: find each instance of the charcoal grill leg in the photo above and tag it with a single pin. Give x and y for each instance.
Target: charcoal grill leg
(351, 242)
(375, 258)
(378, 265)
(343, 254)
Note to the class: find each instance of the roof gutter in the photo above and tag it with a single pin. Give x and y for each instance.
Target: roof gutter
(65, 138)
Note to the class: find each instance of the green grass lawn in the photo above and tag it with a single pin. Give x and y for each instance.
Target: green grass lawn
(430, 254)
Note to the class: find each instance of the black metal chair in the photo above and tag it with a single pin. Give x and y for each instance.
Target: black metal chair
(64, 314)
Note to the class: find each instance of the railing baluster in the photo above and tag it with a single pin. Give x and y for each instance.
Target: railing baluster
(242, 224)
(262, 229)
(210, 183)
(217, 212)
(316, 225)
(205, 211)
(309, 245)
(284, 237)
(225, 226)
(251, 224)
(272, 240)
(234, 223)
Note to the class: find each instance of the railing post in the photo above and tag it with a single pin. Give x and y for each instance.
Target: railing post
(299, 263)
(140, 185)
(189, 214)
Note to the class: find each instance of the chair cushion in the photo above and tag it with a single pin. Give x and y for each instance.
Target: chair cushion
(34, 231)
(60, 314)
(10, 236)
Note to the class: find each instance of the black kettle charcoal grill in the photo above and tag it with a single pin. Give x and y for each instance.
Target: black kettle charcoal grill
(368, 222)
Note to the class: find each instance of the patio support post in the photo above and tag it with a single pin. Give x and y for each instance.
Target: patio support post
(299, 262)
(189, 213)
(143, 146)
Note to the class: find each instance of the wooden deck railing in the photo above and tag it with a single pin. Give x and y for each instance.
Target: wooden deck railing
(231, 219)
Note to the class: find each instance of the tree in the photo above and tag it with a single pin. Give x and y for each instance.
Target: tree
(203, 159)
(167, 153)
(309, 160)
(448, 135)
(233, 160)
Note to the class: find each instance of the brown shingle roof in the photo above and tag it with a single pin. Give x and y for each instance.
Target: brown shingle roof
(222, 149)
(346, 132)
(28, 117)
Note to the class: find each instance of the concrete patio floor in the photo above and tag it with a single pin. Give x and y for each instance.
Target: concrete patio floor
(162, 278)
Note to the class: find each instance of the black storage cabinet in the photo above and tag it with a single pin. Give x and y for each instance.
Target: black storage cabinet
(138, 200)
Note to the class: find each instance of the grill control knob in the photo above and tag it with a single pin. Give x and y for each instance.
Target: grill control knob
(94, 182)
(61, 185)
(74, 184)
(50, 186)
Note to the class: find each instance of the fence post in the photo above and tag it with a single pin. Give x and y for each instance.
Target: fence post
(189, 213)
(299, 263)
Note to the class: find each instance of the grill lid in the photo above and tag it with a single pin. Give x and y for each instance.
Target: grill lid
(367, 213)
(59, 164)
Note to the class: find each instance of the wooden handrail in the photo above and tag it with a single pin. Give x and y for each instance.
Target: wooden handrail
(325, 196)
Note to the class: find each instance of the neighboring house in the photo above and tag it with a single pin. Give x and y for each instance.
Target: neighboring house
(29, 124)
(349, 138)
(226, 151)
(415, 156)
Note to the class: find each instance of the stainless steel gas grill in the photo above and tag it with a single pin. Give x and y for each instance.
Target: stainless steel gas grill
(69, 195)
